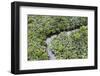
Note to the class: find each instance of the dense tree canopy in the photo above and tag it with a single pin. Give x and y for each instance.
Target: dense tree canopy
(71, 46)
(65, 46)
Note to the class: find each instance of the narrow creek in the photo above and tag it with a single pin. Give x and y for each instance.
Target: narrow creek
(50, 51)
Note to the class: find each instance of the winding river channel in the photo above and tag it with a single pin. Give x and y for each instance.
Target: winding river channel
(50, 51)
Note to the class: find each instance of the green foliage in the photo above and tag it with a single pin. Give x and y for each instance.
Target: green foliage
(65, 46)
(71, 46)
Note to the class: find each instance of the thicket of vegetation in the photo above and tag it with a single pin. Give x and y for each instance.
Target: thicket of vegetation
(71, 46)
(65, 46)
